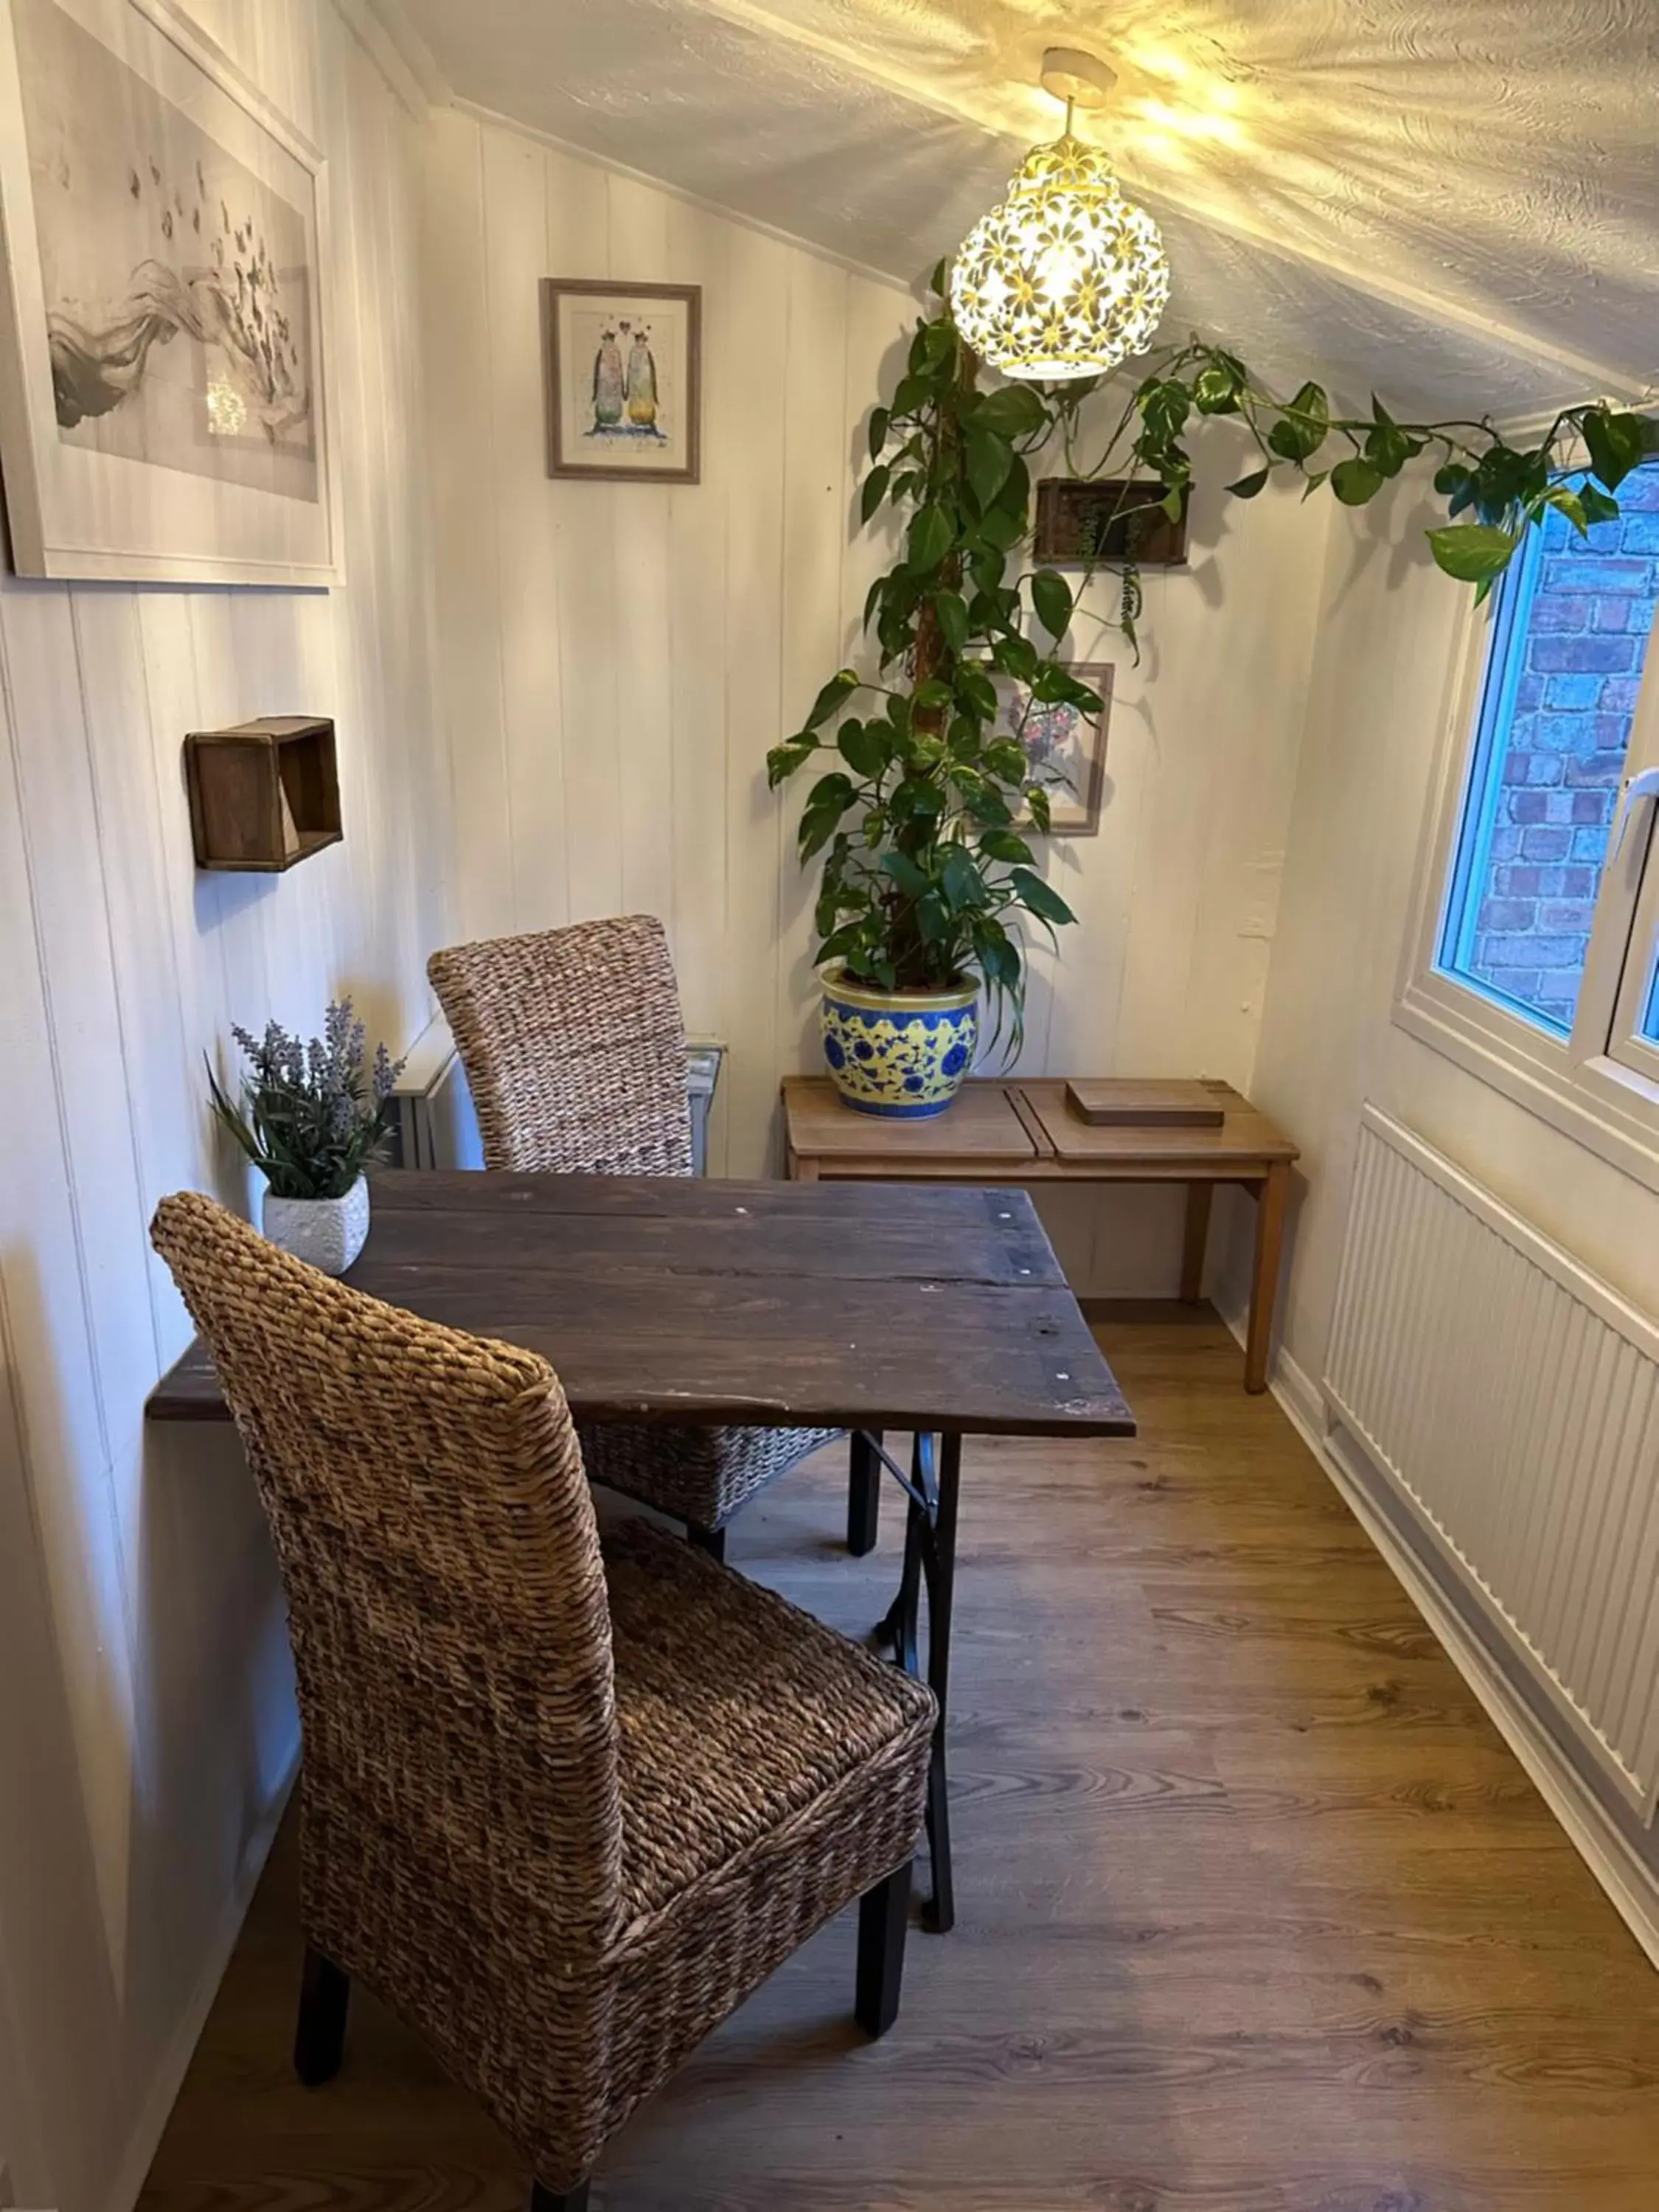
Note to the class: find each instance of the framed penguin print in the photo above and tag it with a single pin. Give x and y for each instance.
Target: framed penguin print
(624, 377)
(162, 413)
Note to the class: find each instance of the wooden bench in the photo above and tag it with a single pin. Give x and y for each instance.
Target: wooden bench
(1024, 1131)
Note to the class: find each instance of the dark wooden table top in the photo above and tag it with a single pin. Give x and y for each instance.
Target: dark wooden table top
(663, 1299)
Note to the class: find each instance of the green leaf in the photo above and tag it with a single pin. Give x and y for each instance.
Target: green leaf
(1165, 403)
(916, 800)
(835, 695)
(1388, 449)
(913, 393)
(1568, 502)
(1248, 487)
(1040, 898)
(1474, 552)
(872, 598)
(1355, 481)
(818, 827)
(976, 692)
(934, 344)
(951, 611)
(940, 281)
(1002, 527)
(1004, 845)
(1616, 444)
(933, 918)
(1012, 411)
(910, 879)
(1216, 389)
(879, 419)
(832, 790)
(1303, 428)
(1017, 656)
(986, 564)
(1055, 683)
(783, 760)
(1042, 813)
(1450, 478)
(1051, 596)
(990, 457)
(866, 746)
(960, 880)
(875, 489)
(930, 538)
(1595, 503)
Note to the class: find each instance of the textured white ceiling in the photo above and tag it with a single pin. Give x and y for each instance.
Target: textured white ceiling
(1457, 203)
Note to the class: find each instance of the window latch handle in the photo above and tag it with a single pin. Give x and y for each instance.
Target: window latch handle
(1645, 786)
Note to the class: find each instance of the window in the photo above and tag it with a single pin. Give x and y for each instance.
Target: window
(1536, 957)
(1564, 669)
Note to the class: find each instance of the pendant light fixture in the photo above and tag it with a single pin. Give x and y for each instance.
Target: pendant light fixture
(1065, 278)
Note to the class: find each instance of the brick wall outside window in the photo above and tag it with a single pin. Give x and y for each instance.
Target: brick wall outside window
(1560, 761)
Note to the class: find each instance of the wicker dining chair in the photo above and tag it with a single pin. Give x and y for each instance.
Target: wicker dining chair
(561, 1812)
(574, 1052)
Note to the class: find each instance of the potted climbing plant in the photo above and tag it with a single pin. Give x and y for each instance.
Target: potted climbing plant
(925, 809)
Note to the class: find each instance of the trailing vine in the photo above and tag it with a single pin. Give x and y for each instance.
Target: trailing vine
(927, 874)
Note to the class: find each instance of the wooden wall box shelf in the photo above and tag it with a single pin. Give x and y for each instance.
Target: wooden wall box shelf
(1080, 522)
(263, 794)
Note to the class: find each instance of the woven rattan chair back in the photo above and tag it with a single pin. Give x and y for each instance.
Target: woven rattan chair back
(447, 1608)
(573, 1048)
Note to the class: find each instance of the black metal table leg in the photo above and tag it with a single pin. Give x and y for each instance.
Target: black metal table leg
(938, 1555)
(864, 1494)
(930, 1559)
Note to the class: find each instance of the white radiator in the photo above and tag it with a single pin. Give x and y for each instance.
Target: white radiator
(1513, 1399)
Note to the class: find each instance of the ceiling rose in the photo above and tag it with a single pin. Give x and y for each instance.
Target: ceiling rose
(1065, 278)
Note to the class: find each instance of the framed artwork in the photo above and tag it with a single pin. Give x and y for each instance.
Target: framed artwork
(624, 379)
(1066, 745)
(162, 415)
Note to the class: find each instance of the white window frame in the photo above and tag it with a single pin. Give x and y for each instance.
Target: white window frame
(1601, 1084)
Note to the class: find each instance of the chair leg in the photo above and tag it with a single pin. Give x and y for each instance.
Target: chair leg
(711, 1541)
(884, 1917)
(558, 2200)
(863, 1494)
(320, 2039)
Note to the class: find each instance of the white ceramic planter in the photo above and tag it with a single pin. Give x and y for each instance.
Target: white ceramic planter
(327, 1233)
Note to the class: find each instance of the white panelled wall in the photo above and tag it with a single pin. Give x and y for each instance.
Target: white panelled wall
(617, 658)
(554, 701)
(1377, 717)
(147, 1727)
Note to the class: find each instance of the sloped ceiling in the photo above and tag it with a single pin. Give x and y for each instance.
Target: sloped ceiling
(1456, 204)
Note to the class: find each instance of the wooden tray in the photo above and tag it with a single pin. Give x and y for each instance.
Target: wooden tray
(1132, 1103)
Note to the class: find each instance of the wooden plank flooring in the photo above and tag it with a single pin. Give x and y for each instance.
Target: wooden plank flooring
(1257, 1913)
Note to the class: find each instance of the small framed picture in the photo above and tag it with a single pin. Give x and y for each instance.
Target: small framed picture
(1065, 744)
(624, 379)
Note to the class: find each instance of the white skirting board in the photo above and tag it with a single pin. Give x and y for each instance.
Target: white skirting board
(1603, 1837)
(169, 2077)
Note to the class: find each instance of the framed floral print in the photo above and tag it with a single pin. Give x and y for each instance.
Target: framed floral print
(162, 415)
(625, 375)
(1066, 745)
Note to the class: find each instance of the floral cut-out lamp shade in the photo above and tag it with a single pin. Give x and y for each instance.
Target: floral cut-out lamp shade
(1065, 278)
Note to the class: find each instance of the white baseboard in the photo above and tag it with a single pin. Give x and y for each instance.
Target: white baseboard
(1611, 1855)
(169, 2078)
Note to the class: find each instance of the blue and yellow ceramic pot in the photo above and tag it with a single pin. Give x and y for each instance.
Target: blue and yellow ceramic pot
(901, 1052)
